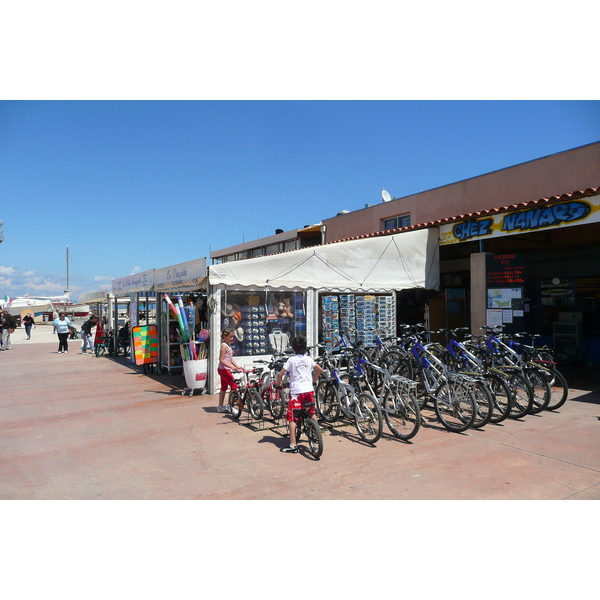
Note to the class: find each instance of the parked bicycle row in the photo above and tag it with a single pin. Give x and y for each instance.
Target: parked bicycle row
(468, 383)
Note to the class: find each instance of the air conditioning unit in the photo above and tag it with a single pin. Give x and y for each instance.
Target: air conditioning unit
(573, 332)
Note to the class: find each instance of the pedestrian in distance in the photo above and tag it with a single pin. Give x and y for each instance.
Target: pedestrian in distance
(303, 372)
(86, 334)
(62, 326)
(8, 324)
(226, 366)
(28, 323)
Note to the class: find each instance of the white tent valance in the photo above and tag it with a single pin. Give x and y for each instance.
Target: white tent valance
(376, 264)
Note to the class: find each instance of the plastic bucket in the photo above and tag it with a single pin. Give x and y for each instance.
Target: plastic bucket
(195, 373)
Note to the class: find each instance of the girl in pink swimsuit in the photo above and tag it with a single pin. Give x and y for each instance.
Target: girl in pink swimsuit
(226, 366)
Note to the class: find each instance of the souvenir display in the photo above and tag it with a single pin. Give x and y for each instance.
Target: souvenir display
(182, 317)
(263, 323)
(330, 321)
(362, 317)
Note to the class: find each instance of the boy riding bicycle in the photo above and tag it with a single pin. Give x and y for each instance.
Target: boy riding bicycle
(303, 373)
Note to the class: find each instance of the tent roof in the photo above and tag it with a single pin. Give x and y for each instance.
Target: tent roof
(394, 262)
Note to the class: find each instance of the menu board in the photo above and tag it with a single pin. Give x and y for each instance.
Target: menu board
(505, 303)
(504, 270)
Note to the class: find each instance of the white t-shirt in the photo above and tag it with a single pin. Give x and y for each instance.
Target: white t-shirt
(300, 367)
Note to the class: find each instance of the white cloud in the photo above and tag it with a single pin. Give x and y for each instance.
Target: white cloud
(6, 270)
(103, 278)
(135, 270)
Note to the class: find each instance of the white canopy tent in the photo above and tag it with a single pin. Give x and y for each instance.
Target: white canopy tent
(369, 265)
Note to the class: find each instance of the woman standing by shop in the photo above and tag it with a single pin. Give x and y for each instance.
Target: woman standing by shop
(62, 326)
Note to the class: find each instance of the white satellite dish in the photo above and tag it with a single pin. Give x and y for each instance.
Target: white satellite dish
(385, 196)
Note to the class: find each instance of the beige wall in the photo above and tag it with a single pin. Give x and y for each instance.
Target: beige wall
(553, 175)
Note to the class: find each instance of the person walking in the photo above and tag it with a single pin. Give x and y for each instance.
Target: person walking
(86, 334)
(303, 372)
(8, 323)
(62, 326)
(28, 323)
(226, 366)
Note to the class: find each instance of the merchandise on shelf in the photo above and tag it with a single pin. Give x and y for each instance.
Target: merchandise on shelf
(263, 323)
(361, 317)
(182, 317)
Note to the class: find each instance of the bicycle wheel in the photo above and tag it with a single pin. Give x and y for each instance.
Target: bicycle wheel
(277, 404)
(402, 413)
(484, 403)
(255, 404)
(266, 398)
(565, 351)
(236, 404)
(454, 405)
(521, 395)
(559, 388)
(502, 397)
(314, 436)
(397, 362)
(327, 400)
(541, 390)
(367, 418)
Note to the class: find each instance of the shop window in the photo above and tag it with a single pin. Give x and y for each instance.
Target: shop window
(291, 245)
(263, 323)
(396, 222)
(256, 252)
(272, 249)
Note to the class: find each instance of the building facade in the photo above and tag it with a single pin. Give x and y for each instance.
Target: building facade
(519, 247)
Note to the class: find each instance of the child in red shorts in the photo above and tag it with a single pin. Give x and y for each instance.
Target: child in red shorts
(226, 365)
(303, 372)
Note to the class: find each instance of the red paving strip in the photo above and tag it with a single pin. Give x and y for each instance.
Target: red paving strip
(75, 426)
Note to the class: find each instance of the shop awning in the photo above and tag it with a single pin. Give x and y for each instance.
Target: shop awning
(92, 297)
(138, 282)
(184, 277)
(375, 264)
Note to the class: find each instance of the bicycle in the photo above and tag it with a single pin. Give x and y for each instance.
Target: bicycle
(310, 428)
(452, 393)
(334, 395)
(544, 359)
(506, 356)
(458, 356)
(397, 399)
(247, 394)
(274, 399)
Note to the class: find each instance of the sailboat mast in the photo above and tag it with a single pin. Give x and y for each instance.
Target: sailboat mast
(67, 290)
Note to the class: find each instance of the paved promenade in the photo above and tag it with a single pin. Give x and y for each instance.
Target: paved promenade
(74, 426)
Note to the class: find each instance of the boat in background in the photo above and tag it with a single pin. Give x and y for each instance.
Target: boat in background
(36, 306)
(45, 308)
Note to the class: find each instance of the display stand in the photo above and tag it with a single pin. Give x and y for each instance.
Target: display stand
(172, 354)
(195, 373)
(171, 359)
(145, 346)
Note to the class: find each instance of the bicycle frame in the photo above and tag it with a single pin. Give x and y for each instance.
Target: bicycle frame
(404, 387)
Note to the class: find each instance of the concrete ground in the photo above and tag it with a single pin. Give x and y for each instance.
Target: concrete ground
(74, 426)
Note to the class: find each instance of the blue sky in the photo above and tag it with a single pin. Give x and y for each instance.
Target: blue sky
(135, 185)
(141, 136)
